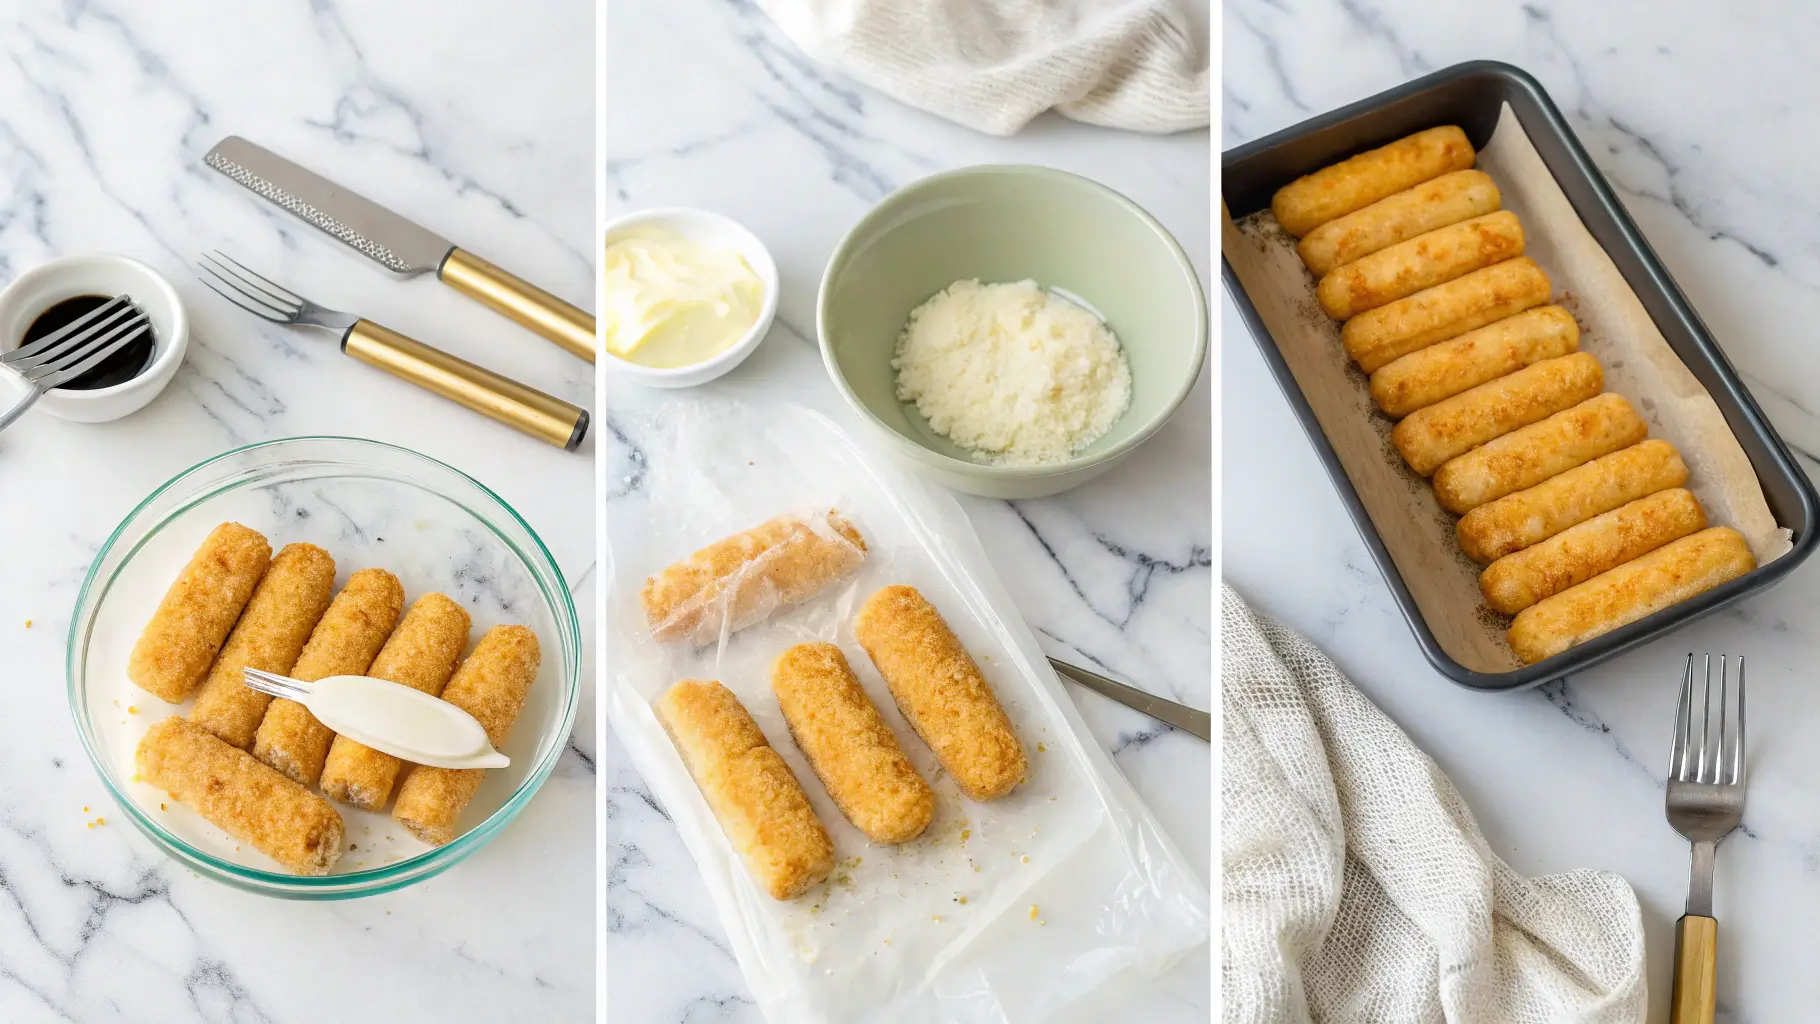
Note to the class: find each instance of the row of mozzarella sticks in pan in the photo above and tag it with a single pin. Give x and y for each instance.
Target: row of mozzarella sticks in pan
(1584, 521)
(246, 762)
(740, 580)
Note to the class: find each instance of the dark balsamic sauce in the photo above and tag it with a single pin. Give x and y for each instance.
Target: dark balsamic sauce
(133, 359)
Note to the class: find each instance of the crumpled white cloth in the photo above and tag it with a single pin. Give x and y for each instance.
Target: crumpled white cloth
(1357, 886)
(992, 65)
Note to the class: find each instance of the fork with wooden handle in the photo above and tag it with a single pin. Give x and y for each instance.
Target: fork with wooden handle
(1705, 802)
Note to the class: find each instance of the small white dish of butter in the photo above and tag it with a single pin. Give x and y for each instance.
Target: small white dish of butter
(686, 296)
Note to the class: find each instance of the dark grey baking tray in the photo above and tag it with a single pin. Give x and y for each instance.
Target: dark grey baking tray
(1472, 96)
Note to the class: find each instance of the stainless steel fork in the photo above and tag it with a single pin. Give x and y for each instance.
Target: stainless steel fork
(1705, 802)
(69, 352)
(548, 419)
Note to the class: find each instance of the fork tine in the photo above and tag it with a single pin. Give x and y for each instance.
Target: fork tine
(1677, 751)
(284, 296)
(79, 347)
(89, 357)
(63, 347)
(1706, 715)
(233, 295)
(39, 348)
(216, 263)
(1719, 756)
(1738, 751)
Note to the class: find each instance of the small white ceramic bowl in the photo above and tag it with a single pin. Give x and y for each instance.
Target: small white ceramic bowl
(100, 274)
(703, 227)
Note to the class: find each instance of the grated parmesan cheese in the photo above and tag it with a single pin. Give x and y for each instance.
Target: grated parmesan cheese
(1018, 374)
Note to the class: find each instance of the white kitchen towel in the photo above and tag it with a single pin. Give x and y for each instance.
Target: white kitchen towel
(992, 65)
(1357, 886)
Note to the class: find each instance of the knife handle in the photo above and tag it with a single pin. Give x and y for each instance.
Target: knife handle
(548, 419)
(520, 300)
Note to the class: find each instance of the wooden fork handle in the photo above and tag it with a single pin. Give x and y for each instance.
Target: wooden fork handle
(1696, 970)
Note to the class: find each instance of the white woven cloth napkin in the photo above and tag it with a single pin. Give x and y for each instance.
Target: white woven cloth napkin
(1357, 886)
(992, 65)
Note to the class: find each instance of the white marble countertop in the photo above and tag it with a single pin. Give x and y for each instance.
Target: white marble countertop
(1706, 128)
(727, 115)
(475, 120)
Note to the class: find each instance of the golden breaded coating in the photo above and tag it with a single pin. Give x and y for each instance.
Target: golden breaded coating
(1441, 371)
(240, 796)
(941, 691)
(277, 622)
(1537, 513)
(1449, 199)
(852, 750)
(420, 654)
(202, 605)
(491, 685)
(1356, 182)
(1428, 438)
(760, 806)
(344, 643)
(1643, 586)
(1422, 262)
(1579, 553)
(1377, 336)
(1526, 457)
(781, 562)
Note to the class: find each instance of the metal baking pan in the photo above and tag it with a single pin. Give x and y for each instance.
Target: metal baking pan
(1472, 96)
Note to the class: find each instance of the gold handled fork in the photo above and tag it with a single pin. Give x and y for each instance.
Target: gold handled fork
(548, 419)
(1705, 802)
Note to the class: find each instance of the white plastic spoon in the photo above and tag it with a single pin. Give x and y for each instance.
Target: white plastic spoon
(389, 717)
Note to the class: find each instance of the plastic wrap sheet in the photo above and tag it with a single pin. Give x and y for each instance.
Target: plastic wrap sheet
(1004, 911)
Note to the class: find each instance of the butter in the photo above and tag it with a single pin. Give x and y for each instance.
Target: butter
(671, 302)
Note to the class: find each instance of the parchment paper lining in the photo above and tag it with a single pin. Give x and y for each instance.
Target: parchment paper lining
(1638, 362)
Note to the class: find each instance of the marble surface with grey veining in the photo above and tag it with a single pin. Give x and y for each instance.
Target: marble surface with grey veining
(1705, 124)
(709, 105)
(478, 122)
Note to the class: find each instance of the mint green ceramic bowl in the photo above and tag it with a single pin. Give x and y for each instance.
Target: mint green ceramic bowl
(1009, 223)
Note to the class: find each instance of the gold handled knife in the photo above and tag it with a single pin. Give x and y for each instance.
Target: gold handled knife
(400, 245)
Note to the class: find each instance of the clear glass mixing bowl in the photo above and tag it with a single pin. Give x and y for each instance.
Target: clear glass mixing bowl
(367, 504)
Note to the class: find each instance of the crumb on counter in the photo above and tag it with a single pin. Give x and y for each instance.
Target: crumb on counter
(1032, 911)
(28, 623)
(1042, 748)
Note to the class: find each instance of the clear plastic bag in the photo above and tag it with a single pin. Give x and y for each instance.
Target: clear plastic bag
(1003, 911)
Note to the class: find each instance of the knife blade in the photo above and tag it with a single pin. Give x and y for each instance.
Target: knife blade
(397, 243)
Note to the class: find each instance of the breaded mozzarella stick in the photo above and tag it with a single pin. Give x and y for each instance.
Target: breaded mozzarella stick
(1579, 553)
(491, 685)
(1441, 371)
(344, 643)
(240, 796)
(1428, 438)
(1449, 199)
(760, 806)
(1356, 182)
(1526, 457)
(747, 576)
(1433, 315)
(852, 750)
(286, 606)
(1537, 513)
(194, 617)
(1422, 262)
(420, 654)
(941, 692)
(1666, 576)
